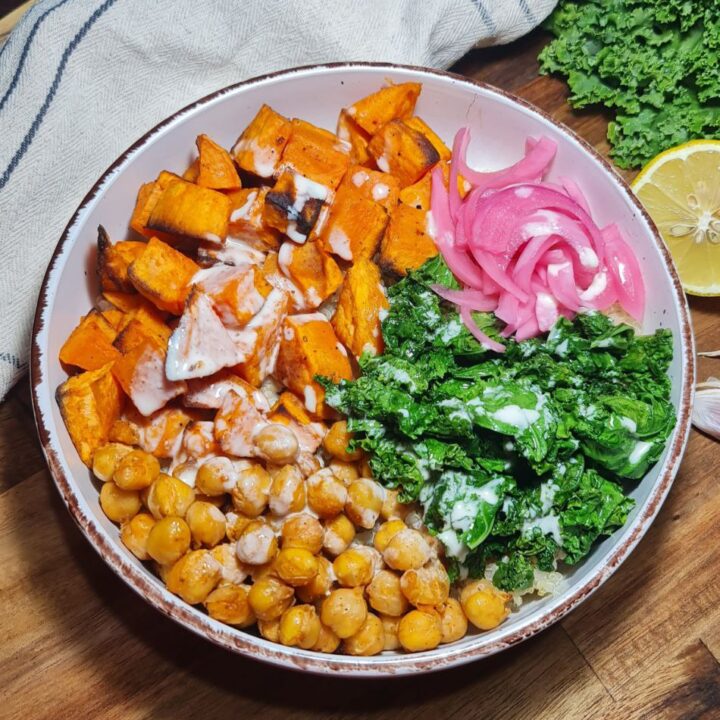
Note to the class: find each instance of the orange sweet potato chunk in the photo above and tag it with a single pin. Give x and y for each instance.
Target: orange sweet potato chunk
(216, 168)
(309, 347)
(246, 219)
(113, 261)
(147, 198)
(316, 154)
(191, 211)
(384, 189)
(311, 269)
(354, 226)
(389, 103)
(126, 302)
(406, 244)
(259, 148)
(349, 131)
(90, 403)
(292, 405)
(90, 345)
(191, 174)
(424, 129)
(357, 317)
(140, 329)
(163, 275)
(294, 205)
(403, 152)
(418, 194)
(116, 318)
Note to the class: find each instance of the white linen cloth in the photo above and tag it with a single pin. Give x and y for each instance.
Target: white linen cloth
(81, 80)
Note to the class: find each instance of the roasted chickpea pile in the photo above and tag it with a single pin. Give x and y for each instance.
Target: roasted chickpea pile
(319, 558)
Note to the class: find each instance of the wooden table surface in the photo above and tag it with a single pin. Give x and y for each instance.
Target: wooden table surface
(75, 642)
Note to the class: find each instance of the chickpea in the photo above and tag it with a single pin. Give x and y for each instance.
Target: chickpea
(287, 492)
(326, 495)
(327, 641)
(452, 621)
(302, 531)
(407, 550)
(320, 585)
(215, 477)
(136, 470)
(106, 459)
(135, 532)
(277, 444)
(353, 568)
(336, 441)
(428, 585)
(235, 524)
(385, 595)
(339, 533)
(300, 627)
(169, 540)
(270, 629)
(392, 508)
(118, 504)
(386, 532)
(343, 471)
(229, 603)
(207, 523)
(269, 598)
(231, 569)
(194, 576)
(419, 630)
(187, 472)
(217, 500)
(252, 490)
(375, 558)
(390, 632)
(484, 605)
(296, 566)
(368, 640)
(169, 496)
(344, 611)
(364, 500)
(257, 543)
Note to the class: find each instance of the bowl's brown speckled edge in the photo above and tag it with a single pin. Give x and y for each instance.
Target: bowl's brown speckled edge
(383, 665)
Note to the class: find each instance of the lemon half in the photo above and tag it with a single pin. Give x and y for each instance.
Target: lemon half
(680, 189)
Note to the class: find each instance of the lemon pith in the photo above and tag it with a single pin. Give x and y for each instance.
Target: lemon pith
(680, 189)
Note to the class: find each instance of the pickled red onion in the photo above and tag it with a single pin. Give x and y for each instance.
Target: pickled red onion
(525, 248)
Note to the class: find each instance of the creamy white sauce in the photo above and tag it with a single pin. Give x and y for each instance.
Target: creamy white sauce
(516, 417)
(639, 451)
(212, 237)
(306, 189)
(383, 164)
(310, 398)
(380, 191)
(340, 244)
(150, 389)
(243, 212)
(588, 258)
(628, 424)
(360, 178)
(596, 287)
(294, 234)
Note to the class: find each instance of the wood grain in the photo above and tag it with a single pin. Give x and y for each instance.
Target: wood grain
(76, 642)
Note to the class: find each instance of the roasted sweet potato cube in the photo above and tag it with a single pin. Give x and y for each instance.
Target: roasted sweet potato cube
(117, 318)
(113, 261)
(293, 206)
(309, 347)
(418, 194)
(349, 131)
(141, 374)
(292, 405)
(246, 219)
(126, 302)
(403, 152)
(90, 345)
(423, 128)
(316, 154)
(191, 211)
(264, 336)
(147, 198)
(354, 225)
(161, 433)
(311, 269)
(261, 144)
(191, 174)
(141, 327)
(237, 293)
(90, 403)
(279, 280)
(357, 317)
(208, 393)
(384, 189)
(163, 275)
(406, 244)
(290, 411)
(216, 168)
(389, 103)
(236, 423)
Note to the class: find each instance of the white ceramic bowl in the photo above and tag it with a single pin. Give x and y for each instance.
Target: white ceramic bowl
(500, 125)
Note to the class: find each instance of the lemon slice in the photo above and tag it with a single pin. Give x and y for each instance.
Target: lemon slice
(680, 188)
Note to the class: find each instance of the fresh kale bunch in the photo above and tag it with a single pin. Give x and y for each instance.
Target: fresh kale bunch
(655, 62)
(521, 457)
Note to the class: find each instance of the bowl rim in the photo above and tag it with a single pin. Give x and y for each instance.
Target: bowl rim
(444, 656)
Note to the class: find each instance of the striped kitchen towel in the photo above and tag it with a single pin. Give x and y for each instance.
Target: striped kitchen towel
(81, 80)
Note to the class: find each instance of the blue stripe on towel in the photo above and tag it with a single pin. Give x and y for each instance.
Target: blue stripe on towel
(37, 122)
(529, 14)
(25, 50)
(486, 16)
